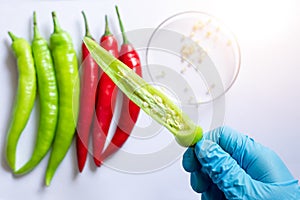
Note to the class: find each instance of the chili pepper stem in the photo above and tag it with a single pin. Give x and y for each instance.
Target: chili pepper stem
(87, 30)
(12, 36)
(57, 27)
(125, 40)
(36, 33)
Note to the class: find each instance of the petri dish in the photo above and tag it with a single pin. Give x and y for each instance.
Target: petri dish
(198, 47)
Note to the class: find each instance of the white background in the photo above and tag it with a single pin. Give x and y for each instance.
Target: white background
(263, 103)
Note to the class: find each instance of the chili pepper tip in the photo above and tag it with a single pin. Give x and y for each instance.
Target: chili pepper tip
(97, 162)
(47, 182)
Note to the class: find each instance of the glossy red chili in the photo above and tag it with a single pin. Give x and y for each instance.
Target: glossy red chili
(129, 110)
(106, 98)
(88, 84)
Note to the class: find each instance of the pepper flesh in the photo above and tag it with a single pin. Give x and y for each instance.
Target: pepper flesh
(48, 95)
(106, 98)
(88, 89)
(25, 96)
(156, 104)
(66, 68)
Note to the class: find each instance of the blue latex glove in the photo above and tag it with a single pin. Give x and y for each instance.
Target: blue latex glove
(228, 165)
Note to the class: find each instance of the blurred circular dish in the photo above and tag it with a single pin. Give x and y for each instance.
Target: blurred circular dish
(201, 49)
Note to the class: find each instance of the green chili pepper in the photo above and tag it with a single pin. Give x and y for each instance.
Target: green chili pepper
(25, 96)
(48, 99)
(156, 104)
(66, 68)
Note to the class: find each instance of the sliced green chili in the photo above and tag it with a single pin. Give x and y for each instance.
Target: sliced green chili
(66, 68)
(25, 96)
(48, 99)
(151, 100)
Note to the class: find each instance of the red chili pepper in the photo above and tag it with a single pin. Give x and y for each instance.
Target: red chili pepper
(129, 110)
(89, 81)
(106, 98)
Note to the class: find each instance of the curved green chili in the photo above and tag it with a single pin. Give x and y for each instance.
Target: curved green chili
(25, 96)
(48, 99)
(66, 68)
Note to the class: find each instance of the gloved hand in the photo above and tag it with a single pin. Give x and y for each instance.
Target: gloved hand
(228, 165)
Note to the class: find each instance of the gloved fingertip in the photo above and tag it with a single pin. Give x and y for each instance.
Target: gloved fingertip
(200, 182)
(213, 193)
(189, 162)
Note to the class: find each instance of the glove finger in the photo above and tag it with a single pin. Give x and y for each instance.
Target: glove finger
(200, 181)
(223, 170)
(190, 162)
(213, 193)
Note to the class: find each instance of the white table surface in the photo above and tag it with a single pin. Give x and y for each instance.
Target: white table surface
(263, 102)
